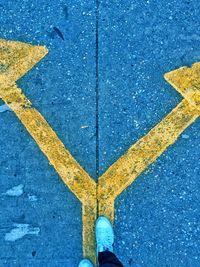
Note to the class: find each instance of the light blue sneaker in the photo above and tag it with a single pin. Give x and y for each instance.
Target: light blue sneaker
(104, 235)
(85, 263)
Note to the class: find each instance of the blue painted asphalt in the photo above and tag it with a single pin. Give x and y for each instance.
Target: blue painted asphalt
(157, 217)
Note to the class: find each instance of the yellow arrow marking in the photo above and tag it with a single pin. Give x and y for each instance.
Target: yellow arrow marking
(17, 58)
(73, 175)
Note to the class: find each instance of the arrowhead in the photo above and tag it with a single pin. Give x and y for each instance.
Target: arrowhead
(16, 59)
(187, 82)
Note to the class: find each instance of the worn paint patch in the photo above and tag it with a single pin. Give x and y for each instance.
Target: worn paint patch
(96, 199)
(15, 191)
(20, 231)
(32, 198)
(4, 108)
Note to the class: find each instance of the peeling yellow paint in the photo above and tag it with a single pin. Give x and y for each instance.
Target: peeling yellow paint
(97, 199)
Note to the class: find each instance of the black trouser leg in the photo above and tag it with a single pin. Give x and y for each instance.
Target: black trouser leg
(108, 259)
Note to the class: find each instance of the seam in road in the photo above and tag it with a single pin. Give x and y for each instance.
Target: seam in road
(97, 87)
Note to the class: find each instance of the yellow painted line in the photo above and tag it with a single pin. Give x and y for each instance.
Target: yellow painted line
(66, 166)
(16, 59)
(72, 174)
(144, 152)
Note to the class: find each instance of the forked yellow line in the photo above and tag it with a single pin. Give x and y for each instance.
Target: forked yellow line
(16, 59)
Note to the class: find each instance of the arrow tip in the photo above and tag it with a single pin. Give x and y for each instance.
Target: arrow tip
(17, 58)
(187, 82)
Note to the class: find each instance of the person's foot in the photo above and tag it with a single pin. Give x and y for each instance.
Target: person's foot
(85, 263)
(104, 235)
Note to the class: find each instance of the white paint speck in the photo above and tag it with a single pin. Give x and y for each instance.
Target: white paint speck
(185, 136)
(4, 108)
(136, 123)
(32, 198)
(20, 231)
(84, 126)
(15, 191)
